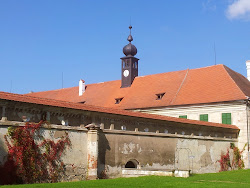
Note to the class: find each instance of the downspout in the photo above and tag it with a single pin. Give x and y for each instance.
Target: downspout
(247, 109)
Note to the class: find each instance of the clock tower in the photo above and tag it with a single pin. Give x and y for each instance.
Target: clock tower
(129, 63)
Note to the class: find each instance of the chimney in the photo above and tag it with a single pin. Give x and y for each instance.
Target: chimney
(248, 69)
(82, 87)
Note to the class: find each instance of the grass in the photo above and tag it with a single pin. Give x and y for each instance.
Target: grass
(240, 178)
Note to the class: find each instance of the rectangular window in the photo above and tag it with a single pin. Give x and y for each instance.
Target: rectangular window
(203, 117)
(226, 118)
(184, 116)
(123, 64)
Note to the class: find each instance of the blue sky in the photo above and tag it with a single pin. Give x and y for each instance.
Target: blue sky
(43, 39)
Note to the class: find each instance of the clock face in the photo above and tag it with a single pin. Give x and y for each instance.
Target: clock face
(126, 73)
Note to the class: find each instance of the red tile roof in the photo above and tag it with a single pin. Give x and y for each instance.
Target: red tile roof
(79, 106)
(193, 86)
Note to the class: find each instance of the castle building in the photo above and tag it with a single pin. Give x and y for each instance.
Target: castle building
(214, 94)
(177, 122)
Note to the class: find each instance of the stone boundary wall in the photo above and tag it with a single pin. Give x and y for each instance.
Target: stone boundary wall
(102, 143)
(159, 151)
(74, 157)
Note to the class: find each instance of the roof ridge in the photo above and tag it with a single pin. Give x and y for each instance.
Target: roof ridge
(180, 70)
(71, 87)
(48, 90)
(56, 90)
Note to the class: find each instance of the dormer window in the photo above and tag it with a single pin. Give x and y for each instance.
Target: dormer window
(82, 102)
(159, 96)
(118, 100)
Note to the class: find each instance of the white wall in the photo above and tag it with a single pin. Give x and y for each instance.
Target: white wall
(238, 112)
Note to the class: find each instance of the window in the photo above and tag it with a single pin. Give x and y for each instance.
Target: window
(135, 65)
(65, 122)
(123, 127)
(203, 117)
(127, 63)
(226, 118)
(123, 64)
(183, 116)
(118, 100)
(159, 96)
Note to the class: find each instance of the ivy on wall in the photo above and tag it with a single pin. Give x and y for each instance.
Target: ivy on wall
(31, 157)
(226, 163)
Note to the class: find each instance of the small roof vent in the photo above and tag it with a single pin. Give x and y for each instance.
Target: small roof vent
(159, 96)
(118, 100)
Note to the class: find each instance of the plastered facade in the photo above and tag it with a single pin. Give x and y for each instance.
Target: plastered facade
(240, 116)
(160, 152)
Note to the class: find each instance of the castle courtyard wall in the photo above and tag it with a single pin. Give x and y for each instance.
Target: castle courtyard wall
(102, 143)
(159, 151)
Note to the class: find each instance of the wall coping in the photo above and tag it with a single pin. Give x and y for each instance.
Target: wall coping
(125, 132)
(46, 126)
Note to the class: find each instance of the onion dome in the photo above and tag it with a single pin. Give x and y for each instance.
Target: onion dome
(130, 49)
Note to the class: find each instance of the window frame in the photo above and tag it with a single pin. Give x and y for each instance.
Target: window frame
(204, 117)
(183, 116)
(226, 118)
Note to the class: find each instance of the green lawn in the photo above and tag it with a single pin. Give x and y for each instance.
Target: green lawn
(237, 179)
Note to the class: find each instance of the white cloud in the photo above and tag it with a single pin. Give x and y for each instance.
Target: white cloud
(239, 9)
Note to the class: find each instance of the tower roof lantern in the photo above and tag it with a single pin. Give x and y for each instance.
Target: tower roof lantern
(130, 49)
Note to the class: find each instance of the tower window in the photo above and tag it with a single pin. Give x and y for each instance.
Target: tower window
(136, 65)
(127, 63)
(123, 64)
(118, 100)
(159, 96)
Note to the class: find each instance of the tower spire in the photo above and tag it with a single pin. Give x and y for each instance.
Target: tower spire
(130, 38)
(130, 49)
(129, 62)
